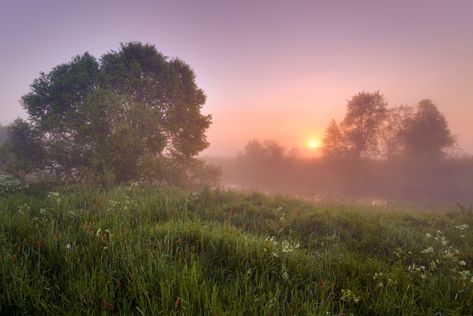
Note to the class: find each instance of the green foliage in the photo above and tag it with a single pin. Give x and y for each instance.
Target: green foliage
(151, 250)
(126, 116)
(23, 151)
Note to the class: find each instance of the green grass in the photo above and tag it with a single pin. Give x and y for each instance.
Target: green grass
(161, 251)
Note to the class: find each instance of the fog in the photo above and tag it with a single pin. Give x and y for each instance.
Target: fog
(442, 181)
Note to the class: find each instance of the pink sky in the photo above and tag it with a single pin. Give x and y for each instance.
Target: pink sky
(271, 69)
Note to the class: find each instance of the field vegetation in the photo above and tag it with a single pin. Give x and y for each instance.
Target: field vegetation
(148, 250)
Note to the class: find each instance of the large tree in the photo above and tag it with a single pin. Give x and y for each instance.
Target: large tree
(132, 114)
(365, 114)
(426, 134)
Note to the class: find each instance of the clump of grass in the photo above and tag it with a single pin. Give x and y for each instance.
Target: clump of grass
(153, 250)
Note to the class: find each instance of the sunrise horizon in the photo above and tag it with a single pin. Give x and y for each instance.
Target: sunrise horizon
(281, 80)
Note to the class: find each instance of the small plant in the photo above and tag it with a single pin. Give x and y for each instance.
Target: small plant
(9, 184)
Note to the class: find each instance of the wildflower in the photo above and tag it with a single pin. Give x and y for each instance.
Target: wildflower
(428, 235)
(284, 272)
(275, 254)
(443, 240)
(377, 275)
(68, 246)
(464, 275)
(55, 196)
(349, 296)
(448, 254)
(398, 252)
(462, 263)
(287, 247)
(462, 227)
(428, 250)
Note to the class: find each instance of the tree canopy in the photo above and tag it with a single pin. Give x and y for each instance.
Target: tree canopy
(426, 133)
(132, 114)
(365, 113)
(371, 129)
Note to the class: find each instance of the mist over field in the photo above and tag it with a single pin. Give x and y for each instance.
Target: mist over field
(432, 182)
(376, 152)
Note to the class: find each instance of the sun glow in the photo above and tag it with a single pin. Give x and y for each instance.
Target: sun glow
(313, 143)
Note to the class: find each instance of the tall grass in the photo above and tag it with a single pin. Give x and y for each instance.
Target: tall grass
(160, 251)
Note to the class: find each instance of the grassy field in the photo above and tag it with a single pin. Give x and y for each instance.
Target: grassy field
(159, 251)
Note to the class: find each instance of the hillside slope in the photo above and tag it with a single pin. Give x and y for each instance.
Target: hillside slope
(150, 251)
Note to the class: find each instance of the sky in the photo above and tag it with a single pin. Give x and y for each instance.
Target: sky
(274, 69)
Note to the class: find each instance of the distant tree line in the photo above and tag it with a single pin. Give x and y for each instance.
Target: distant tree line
(370, 130)
(133, 114)
(375, 151)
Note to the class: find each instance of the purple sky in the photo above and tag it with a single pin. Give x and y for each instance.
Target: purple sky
(271, 69)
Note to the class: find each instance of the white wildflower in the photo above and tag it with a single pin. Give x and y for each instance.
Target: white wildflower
(428, 235)
(428, 250)
(55, 196)
(68, 246)
(349, 296)
(443, 240)
(284, 272)
(462, 263)
(465, 275)
(287, 247)
(462, 227)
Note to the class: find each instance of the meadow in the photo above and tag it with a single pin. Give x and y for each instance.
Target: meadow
(143, 250)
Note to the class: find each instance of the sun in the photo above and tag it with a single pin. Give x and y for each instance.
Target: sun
(313, 143)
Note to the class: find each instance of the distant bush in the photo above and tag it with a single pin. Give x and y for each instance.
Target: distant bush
(9, 184)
